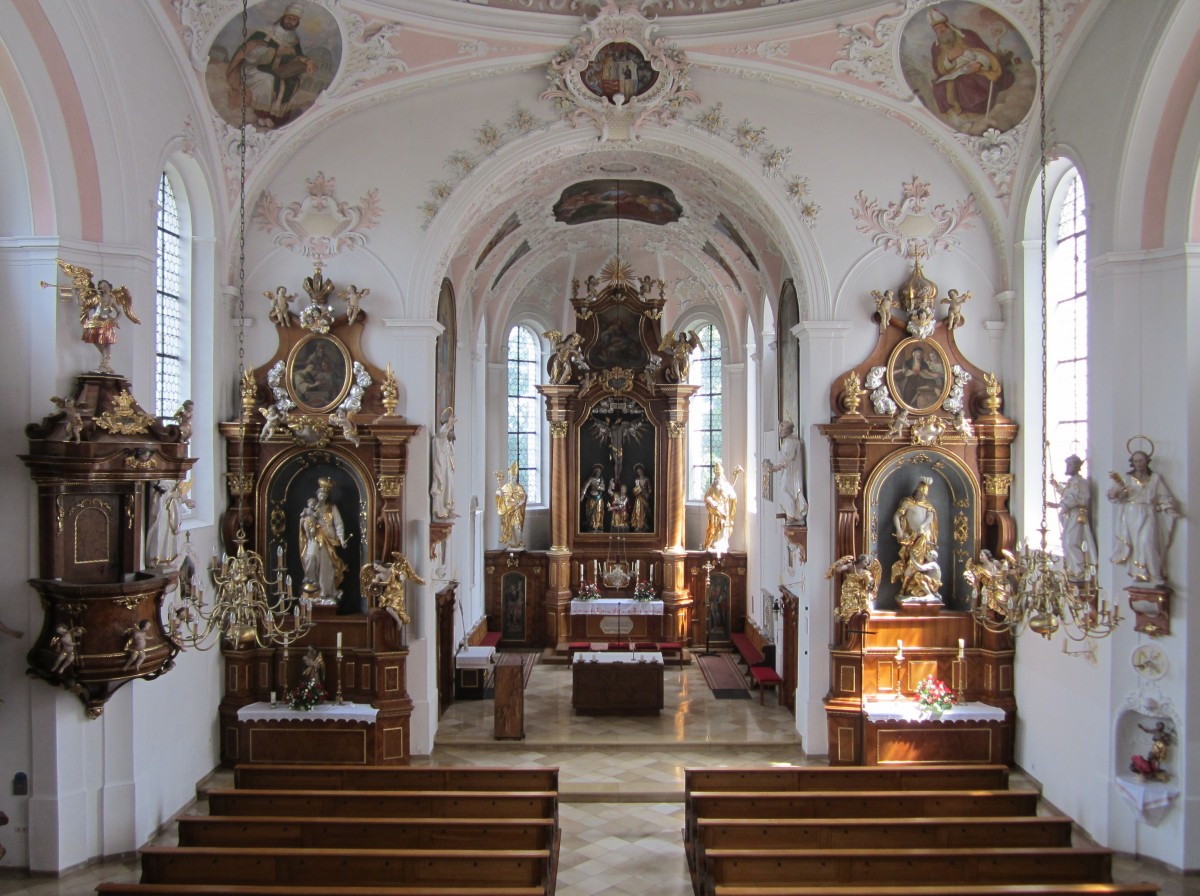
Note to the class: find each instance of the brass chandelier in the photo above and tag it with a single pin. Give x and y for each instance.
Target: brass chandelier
(1033, 590)
(247, 609)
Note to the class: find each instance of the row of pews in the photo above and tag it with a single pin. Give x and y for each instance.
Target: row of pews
(881, 831)
(298, 830)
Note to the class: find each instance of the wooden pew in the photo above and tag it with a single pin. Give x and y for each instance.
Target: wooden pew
(116, 889)
(360, 777)
(1140, 889)
(385, 804)
(334, 867)
(368, 833)
(828, 777)
(860, 804)
(893, 867)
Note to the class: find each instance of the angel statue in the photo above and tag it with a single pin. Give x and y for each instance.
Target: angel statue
(353, 297)
(860, 586)
(884, 303)
(100, 307)
(680, 347)
(615, 433)
(384, 583)
(992, 580)
(71, 416)
(954, 315)
(567, 356)
(281, 300)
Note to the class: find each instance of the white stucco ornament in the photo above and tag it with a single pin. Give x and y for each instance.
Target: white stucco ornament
(618, 77)
(319, 225)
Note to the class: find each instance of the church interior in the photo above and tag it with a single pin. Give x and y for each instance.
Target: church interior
(613, 385)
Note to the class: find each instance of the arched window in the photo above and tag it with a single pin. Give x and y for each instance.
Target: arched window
(705, 413)
(524, 410)
(1067, 326)
(170, 357)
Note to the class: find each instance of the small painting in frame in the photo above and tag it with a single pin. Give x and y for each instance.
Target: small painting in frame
(318, 373)
(917, 375)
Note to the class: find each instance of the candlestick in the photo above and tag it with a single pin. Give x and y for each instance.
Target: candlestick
(338, 698)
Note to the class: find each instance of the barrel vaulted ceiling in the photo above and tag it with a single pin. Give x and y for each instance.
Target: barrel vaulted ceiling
(718, 233)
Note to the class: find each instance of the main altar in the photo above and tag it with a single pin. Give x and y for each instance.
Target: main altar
(616, 399)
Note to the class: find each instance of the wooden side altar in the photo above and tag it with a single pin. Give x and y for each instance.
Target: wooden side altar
(628, 684)
(921, 462)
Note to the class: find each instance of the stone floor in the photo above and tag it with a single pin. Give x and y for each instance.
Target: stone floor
(621, 783)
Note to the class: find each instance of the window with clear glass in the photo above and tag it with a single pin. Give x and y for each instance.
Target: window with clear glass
(169, 358)
(1067, 329)
(704, 413)
(524, 409)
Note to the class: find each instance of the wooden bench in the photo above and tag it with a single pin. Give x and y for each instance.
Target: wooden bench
(829, 777)
(860, 804)
(385, 803)
(766, 677)
(1055, 889)
(892, 867)
(366, 777)
(334, 867)
(368, 833)
(491, 639)
(131, 889)
(750, 654)
(860, 833)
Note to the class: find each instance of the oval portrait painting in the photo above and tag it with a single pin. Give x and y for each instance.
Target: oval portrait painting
(291, 53)
(970, 66)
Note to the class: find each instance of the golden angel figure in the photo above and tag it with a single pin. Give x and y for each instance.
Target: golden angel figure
(680, 347)
(100, 307)
(384, 583)
(860, 586)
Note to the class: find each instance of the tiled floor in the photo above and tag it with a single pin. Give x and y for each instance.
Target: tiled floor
(621, 782)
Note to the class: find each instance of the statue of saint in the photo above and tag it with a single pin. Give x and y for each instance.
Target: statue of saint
(618, 506)
(592, 497)
(643, 492)
(510, 504)
(166, 515)
(791, 499)
(721, 502)
(321, 534)
(1075, 519)
(915, 526)
(1145, 520)
(442, 489)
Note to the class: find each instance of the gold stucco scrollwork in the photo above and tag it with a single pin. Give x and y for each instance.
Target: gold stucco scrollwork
(129, 511)
(240, 484)
(125, 417)
(997, 483)
(278, 520)
(848, 483)
(391, 486)
(60, 514)
(558, 429)
(129, 603)
(960, 527)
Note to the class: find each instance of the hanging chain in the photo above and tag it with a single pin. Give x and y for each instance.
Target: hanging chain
(1042, 161)
(241, 276)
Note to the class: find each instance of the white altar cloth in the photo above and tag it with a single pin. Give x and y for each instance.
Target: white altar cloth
(475, 658)
(616, 606)
(619, 656)
(1146, 795)
(908, 711)
(323, 712)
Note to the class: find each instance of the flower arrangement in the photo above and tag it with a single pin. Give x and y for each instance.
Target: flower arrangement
(588, 591)
(643, 591)
(933, 696)
(310, 693)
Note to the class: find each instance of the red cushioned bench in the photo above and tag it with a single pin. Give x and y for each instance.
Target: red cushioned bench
(750, 654)
(491, 639)
(766, 677)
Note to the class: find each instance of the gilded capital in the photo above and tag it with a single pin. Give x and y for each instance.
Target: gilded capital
(558, 429)
(997, 483)
(240, 483)
(391, 486)
(847, 483)
(676, 430)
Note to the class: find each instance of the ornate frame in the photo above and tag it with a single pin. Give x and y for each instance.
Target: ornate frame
(905, 349)
(347, 373)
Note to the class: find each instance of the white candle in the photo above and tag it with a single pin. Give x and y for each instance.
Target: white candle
(339, 640)
(961, 645)
(595, 570)
(899, 645)
(652, 571)
(272, 698)
(637, 568)
(581, 577)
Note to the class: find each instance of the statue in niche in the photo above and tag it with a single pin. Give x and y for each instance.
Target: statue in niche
(592, 497)
(618, 506)
(1145, 520)
(915, 526)
(721, 501)
(510, 504)
(615, 432)
(322, 533)
(443, 466)
(314, 666)
(792, 500)
(166, 515)
(1075, 519)
(643, 491)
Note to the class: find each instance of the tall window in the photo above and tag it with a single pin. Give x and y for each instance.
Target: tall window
(169, 359)
(1066, 328)
(524, 411)
(704, 416)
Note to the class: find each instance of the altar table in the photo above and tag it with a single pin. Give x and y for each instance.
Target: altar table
(617, 619)
(617, 684)
(897, 731)
(472, 667)
(325, 734)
